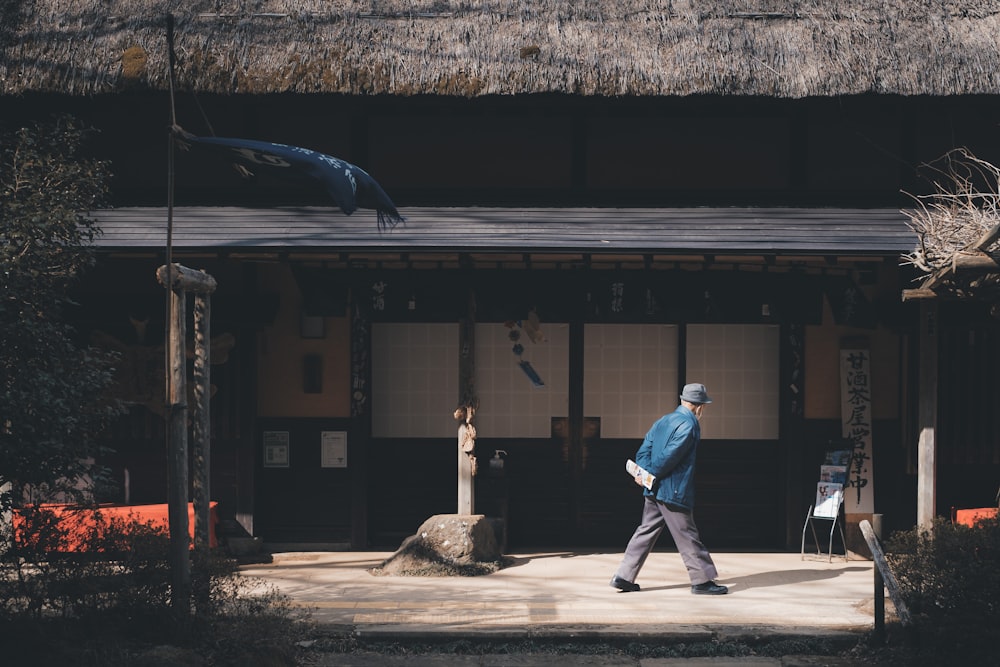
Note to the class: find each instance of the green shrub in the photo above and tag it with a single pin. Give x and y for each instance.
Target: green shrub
(949, 577)
(80, 564)
(108, 599)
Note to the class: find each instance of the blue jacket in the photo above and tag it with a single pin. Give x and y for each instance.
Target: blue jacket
(669, 453)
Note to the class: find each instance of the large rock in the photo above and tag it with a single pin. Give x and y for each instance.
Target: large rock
(446, 545)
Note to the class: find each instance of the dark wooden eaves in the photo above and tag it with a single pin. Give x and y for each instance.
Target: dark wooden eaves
(770, 232)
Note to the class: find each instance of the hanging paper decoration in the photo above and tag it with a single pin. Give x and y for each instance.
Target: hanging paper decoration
(467, 434)
(532, 328)
(530, 372)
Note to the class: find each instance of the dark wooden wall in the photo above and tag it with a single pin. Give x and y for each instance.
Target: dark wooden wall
(555, 497)
(304, 502)
(968, 438)
(549, 150)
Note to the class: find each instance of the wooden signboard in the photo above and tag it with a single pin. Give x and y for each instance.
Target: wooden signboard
(856, 421)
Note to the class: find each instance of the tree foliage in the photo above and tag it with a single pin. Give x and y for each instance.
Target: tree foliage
(51, 385)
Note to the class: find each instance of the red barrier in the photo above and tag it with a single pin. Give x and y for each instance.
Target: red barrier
(970, 517)
(80, 522)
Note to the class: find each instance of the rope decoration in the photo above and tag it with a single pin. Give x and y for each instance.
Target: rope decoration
(467, 434)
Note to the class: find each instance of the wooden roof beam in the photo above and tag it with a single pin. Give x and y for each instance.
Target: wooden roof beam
(974, 261)
(965, 262)
(987, 239)
(919, 293)
(936, 278)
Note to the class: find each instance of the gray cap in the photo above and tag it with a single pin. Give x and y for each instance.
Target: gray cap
(695, 393)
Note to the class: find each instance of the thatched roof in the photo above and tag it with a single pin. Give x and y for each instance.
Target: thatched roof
(777, 48)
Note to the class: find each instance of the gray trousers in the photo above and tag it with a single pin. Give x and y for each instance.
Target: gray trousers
(655, 516)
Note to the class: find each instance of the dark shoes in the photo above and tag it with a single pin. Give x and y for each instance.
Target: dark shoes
(624, 586)
(707, 588)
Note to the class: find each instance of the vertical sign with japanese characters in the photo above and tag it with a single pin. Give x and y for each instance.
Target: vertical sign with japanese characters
(856, 420)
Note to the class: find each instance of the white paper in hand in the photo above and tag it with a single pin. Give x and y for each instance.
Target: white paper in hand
(641, 476)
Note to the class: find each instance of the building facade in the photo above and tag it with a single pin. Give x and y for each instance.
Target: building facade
(577, 247)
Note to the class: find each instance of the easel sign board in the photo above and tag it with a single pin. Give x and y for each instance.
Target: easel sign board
(828, 499)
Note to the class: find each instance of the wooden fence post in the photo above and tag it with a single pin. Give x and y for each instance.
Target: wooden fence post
(882, 569)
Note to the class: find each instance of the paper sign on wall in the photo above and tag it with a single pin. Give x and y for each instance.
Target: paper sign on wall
(276, 454)
(333, 449)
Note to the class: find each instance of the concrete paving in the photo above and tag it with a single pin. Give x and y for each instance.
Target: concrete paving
(549, 660)
(565, 595)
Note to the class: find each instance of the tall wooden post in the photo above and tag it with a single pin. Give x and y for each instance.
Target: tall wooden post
(357, 443)
(927, 413)
(467, 403)
(177, 455)
(202, 419)
(466, 489)
(6, 519)
(792, 423)
(178, 281)
(201, 442)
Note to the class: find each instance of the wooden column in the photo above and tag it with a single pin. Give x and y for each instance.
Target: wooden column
(177, 455)
(792, 426)
(246, 453)
(467, 403)
(359, 441)
(466, 488)
(927, 413)
(178, 281)
(6, 519)
(201, 441)
(575, 417)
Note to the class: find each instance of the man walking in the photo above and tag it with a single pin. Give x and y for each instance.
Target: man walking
(669, 453)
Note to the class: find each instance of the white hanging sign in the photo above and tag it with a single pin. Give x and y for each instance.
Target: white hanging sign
(856, 421)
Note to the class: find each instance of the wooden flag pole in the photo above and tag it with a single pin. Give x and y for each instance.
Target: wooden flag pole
(175, 392)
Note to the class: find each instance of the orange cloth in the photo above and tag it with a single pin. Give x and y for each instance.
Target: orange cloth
(80, 521)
